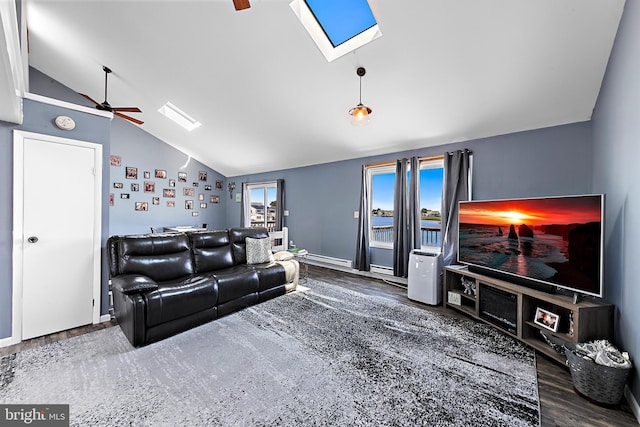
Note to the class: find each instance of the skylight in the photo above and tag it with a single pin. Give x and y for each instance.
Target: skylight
(180, 117)
(337, 26)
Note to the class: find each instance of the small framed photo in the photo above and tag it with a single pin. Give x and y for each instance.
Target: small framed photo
(142, 206)
(201, 196)
(111, 199)
(546, 319)
(147, 175)
(214, 199)
(149, 187)
(218, 185)
(207, 187)
(182, 176)
(161, 174)
(131, 172)
(171, 204)
(188, 204)
(195, 184)
(169, 192)
(203, 206)
(172, 183)
(124, 195)
(115, 160)
(118, 185)
(194, 213)
(188, 191)
(135, 187)
(155, 200)
(202, 176)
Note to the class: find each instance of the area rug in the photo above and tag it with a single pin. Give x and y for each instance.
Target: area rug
(324, 355)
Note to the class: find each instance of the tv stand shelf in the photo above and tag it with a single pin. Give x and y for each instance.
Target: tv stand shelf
(585, 320)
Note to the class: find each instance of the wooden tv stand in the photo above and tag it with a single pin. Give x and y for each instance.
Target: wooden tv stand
(583, 321)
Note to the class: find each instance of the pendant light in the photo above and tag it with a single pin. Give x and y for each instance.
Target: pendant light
(360, 114)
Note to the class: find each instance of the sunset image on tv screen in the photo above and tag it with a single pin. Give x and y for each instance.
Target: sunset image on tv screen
(556, 240)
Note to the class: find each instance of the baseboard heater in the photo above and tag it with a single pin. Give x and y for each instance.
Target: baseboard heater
(381, 269)
(322, 259)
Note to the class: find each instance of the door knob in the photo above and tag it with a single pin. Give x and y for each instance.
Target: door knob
(32, 239)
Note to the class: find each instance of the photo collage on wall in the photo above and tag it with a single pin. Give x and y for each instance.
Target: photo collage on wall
(157, 188)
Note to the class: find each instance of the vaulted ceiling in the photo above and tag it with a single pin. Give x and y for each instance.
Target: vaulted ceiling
(443, 71)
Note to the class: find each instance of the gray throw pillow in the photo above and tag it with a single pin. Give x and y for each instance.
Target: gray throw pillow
(258, 250)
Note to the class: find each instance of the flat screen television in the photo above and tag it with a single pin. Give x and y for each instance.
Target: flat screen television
(542, 242)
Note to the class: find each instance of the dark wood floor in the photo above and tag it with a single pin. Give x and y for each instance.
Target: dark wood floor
(559, 404)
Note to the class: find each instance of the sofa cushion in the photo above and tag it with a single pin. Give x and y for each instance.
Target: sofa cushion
(173, 300)
(238, 240)
(258, 250)
(162, 257)
(211, 250)
(235, 282)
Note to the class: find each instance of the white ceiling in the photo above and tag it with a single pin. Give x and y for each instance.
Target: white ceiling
(443, 71)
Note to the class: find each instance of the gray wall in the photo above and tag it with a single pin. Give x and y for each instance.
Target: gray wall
(321, 199)
(39, 118)
(144, 151)
(616, 130)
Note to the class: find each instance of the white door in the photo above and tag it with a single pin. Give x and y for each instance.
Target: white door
(58, 235)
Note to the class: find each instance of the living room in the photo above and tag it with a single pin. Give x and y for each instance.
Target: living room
(593, 156)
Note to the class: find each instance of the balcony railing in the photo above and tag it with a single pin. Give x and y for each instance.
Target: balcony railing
(429, 236)
(271, 225)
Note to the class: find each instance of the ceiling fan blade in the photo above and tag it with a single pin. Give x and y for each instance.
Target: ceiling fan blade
(127, 109)
(241, 4)
(131, 119)
(90, 99)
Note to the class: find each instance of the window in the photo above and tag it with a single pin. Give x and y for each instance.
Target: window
(382, 183)
(262, 205)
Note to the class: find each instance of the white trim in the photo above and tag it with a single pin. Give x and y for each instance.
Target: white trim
(11, 63)
(18, 203)
(324, 260)
(381, 269)
(105, 318)
(633, 403)
(68, 105)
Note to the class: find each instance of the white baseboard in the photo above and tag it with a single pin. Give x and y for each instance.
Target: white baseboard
(327, 260)
(6, 342)
(105, 318)
(633, 403)
(381, 269)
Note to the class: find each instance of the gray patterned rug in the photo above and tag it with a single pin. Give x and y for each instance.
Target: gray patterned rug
(323, 356)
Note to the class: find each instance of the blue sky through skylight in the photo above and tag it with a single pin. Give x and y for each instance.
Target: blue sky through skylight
(342, 20)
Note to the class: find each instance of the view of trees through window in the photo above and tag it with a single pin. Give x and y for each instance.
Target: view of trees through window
(382, 192)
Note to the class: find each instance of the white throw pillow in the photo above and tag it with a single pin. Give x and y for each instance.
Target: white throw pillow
(258, 250)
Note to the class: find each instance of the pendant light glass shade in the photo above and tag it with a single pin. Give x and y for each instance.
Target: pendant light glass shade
(360, 114)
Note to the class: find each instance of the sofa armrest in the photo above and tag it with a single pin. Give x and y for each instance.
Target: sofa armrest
(133, 284)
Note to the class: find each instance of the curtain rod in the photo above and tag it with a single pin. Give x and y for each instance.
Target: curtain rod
(393, 162)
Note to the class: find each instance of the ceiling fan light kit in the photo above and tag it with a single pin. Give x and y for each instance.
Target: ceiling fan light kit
(360, 114)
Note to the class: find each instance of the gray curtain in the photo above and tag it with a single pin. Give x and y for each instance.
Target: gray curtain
(414, 205)
(244, 206)
(279, 204)
(363, 257)
(406, 222)
(455, 189)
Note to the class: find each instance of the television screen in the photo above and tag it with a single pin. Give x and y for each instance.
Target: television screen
(555, 241)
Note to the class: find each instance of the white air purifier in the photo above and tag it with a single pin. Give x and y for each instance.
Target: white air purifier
(424, 282)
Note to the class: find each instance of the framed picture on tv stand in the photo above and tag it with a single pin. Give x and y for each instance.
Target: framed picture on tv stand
(546, 319)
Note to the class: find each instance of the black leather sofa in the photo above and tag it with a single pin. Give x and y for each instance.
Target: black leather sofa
(163, 284)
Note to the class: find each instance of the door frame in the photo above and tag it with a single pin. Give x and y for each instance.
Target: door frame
(18, 223)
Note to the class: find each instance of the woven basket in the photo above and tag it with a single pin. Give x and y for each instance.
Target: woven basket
(599, 383)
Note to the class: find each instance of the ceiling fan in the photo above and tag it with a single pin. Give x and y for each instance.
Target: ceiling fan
(105, 106)
(241, 4)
